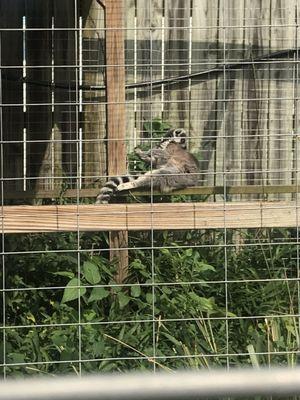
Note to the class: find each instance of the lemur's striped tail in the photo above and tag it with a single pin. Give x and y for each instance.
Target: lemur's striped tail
(111, 187)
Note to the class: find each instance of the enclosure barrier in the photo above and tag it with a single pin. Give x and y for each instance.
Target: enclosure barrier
(180, 385)
(159, 216)
(82, 83)
(196, 190)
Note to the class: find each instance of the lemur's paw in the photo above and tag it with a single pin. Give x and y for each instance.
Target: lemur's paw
(137, 151)
(102, 199)
(125, 186)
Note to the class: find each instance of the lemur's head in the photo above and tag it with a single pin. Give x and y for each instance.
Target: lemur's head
(174, 136)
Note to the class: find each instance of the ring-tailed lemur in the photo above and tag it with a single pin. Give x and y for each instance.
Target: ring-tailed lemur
(175, 168)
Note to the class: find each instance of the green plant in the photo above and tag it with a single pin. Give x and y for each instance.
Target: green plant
(193, 326)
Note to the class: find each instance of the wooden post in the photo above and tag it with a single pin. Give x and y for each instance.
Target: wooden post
(115, 95)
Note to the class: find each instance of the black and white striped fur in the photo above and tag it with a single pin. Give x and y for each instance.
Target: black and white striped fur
(175, 168)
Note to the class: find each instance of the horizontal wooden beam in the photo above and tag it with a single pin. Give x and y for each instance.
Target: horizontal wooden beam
(201, 190)
(159, 216)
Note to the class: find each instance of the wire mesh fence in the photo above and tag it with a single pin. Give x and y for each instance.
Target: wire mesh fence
(192, 286)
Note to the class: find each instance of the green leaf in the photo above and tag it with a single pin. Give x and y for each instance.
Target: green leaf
(100, 262)
(59, 338)
(67, 355)
(71, 259)
(91, 272)
(253, 356)
(189, 252)
(166, 290)
(89, 315)
(122, 332)
(16, 357)
(123, 299)
(72, 292)
(202, 303)
(98, 294)
(165, 251)
(98, 348)
(149, 298)
(201, 267)
(68, 274)
(172, 339)
(135, 291)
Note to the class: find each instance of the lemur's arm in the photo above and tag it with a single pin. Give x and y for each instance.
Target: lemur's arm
(151, 157)
(144, 155)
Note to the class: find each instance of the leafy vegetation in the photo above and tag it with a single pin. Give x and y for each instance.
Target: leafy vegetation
(211, 304)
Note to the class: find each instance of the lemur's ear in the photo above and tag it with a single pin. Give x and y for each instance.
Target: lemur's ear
(180, 132)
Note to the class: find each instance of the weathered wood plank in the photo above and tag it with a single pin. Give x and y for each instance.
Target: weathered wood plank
(130, 217)
(94, 113)
(177, 19)
(130, 72)
(38, 118)
(196, 190)
(115, 94)
(283, 35)
(64, 116)
(229, 143)
(149, 60)
(115, 87)
(204, 109)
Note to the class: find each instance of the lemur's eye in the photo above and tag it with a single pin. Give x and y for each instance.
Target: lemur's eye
(182, 141)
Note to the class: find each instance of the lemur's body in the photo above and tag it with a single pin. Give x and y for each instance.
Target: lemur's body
(174, 168)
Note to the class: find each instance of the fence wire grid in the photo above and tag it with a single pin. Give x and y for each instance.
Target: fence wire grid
(79, 301)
